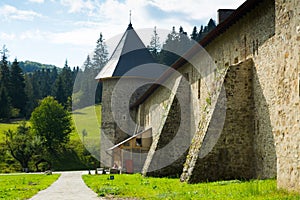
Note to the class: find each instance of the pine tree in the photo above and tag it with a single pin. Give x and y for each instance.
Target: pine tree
(99, 60)
(17, 90)
(59, 91)
(31, 101)
(67, 77)
(211, 25)
(87, 63)
(194, 34)
(176, 45)
(64, 85)
(200, 34)
(88, 83)
(4, 70)
(154, 46)
(100, 56)
(5, 108)
(184, 41)
(36, 85)
(204, 31)
(168, 52)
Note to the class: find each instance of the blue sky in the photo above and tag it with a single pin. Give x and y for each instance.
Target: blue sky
(51, 31)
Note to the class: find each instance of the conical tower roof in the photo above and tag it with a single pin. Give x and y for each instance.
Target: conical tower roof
(129, 53)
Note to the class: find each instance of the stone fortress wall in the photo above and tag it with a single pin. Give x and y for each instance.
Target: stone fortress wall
(269, 35)
(260, 61)
(260, 137)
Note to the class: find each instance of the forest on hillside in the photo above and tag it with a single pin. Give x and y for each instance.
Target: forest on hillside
(46, 94)
(24, 84)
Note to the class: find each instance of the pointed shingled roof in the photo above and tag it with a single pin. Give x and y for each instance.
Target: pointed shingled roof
(129, 53)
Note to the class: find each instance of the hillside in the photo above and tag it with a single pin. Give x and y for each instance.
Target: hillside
(30, 66)
(75, 156)
(88, 119)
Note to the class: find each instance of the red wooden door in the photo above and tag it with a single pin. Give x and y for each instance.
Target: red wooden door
(129, 166)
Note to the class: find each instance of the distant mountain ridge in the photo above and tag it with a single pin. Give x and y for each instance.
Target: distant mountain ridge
(31, 66)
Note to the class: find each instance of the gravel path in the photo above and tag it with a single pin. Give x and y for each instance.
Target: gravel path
(69, 186)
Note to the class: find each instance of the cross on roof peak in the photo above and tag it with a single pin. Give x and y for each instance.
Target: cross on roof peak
(130, 25)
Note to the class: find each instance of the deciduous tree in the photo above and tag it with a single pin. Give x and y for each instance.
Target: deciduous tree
(52, 123)
(22, 144)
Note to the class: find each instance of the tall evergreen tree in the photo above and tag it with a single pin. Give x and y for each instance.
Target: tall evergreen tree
(176, 44)
(205, 30)
(64, 85)
(67, 77)
(200, 34)
(211, 25)
(5, 108)
(99, 59)
(154, 46)
(59, 92)
(168, 53)
(184, 41)
(194, 34)
(31, 101)
(17, 90)
(100, 56)
(4, 70)
(88, 83)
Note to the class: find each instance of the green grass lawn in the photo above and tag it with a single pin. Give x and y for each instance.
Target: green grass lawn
(164, 188)
(74, 158)
(6, 126)
(24, 186)
(88, 118)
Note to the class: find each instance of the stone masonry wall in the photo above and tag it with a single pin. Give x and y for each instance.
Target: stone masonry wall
(118, 121)
(253, 37)
(232, 155)
(267, 100)
(285, 117)
(269, 35)
(168, 115)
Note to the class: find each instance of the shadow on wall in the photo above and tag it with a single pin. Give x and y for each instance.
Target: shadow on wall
(263, 140)
(245, 148)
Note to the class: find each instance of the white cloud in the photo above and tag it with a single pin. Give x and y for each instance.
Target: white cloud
(7, 36)
(79, 5)
(79, 37)
(33, 35)
(195, 9)
(36, 1)
(8, 12)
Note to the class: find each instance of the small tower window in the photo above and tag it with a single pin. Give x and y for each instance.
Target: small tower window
(299, 84)
(186, 76)
(138, 142)
(199, 88)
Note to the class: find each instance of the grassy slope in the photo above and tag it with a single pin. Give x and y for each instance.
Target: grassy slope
(87, 118)
(164, 188)
(5, 127)
(24, 186)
